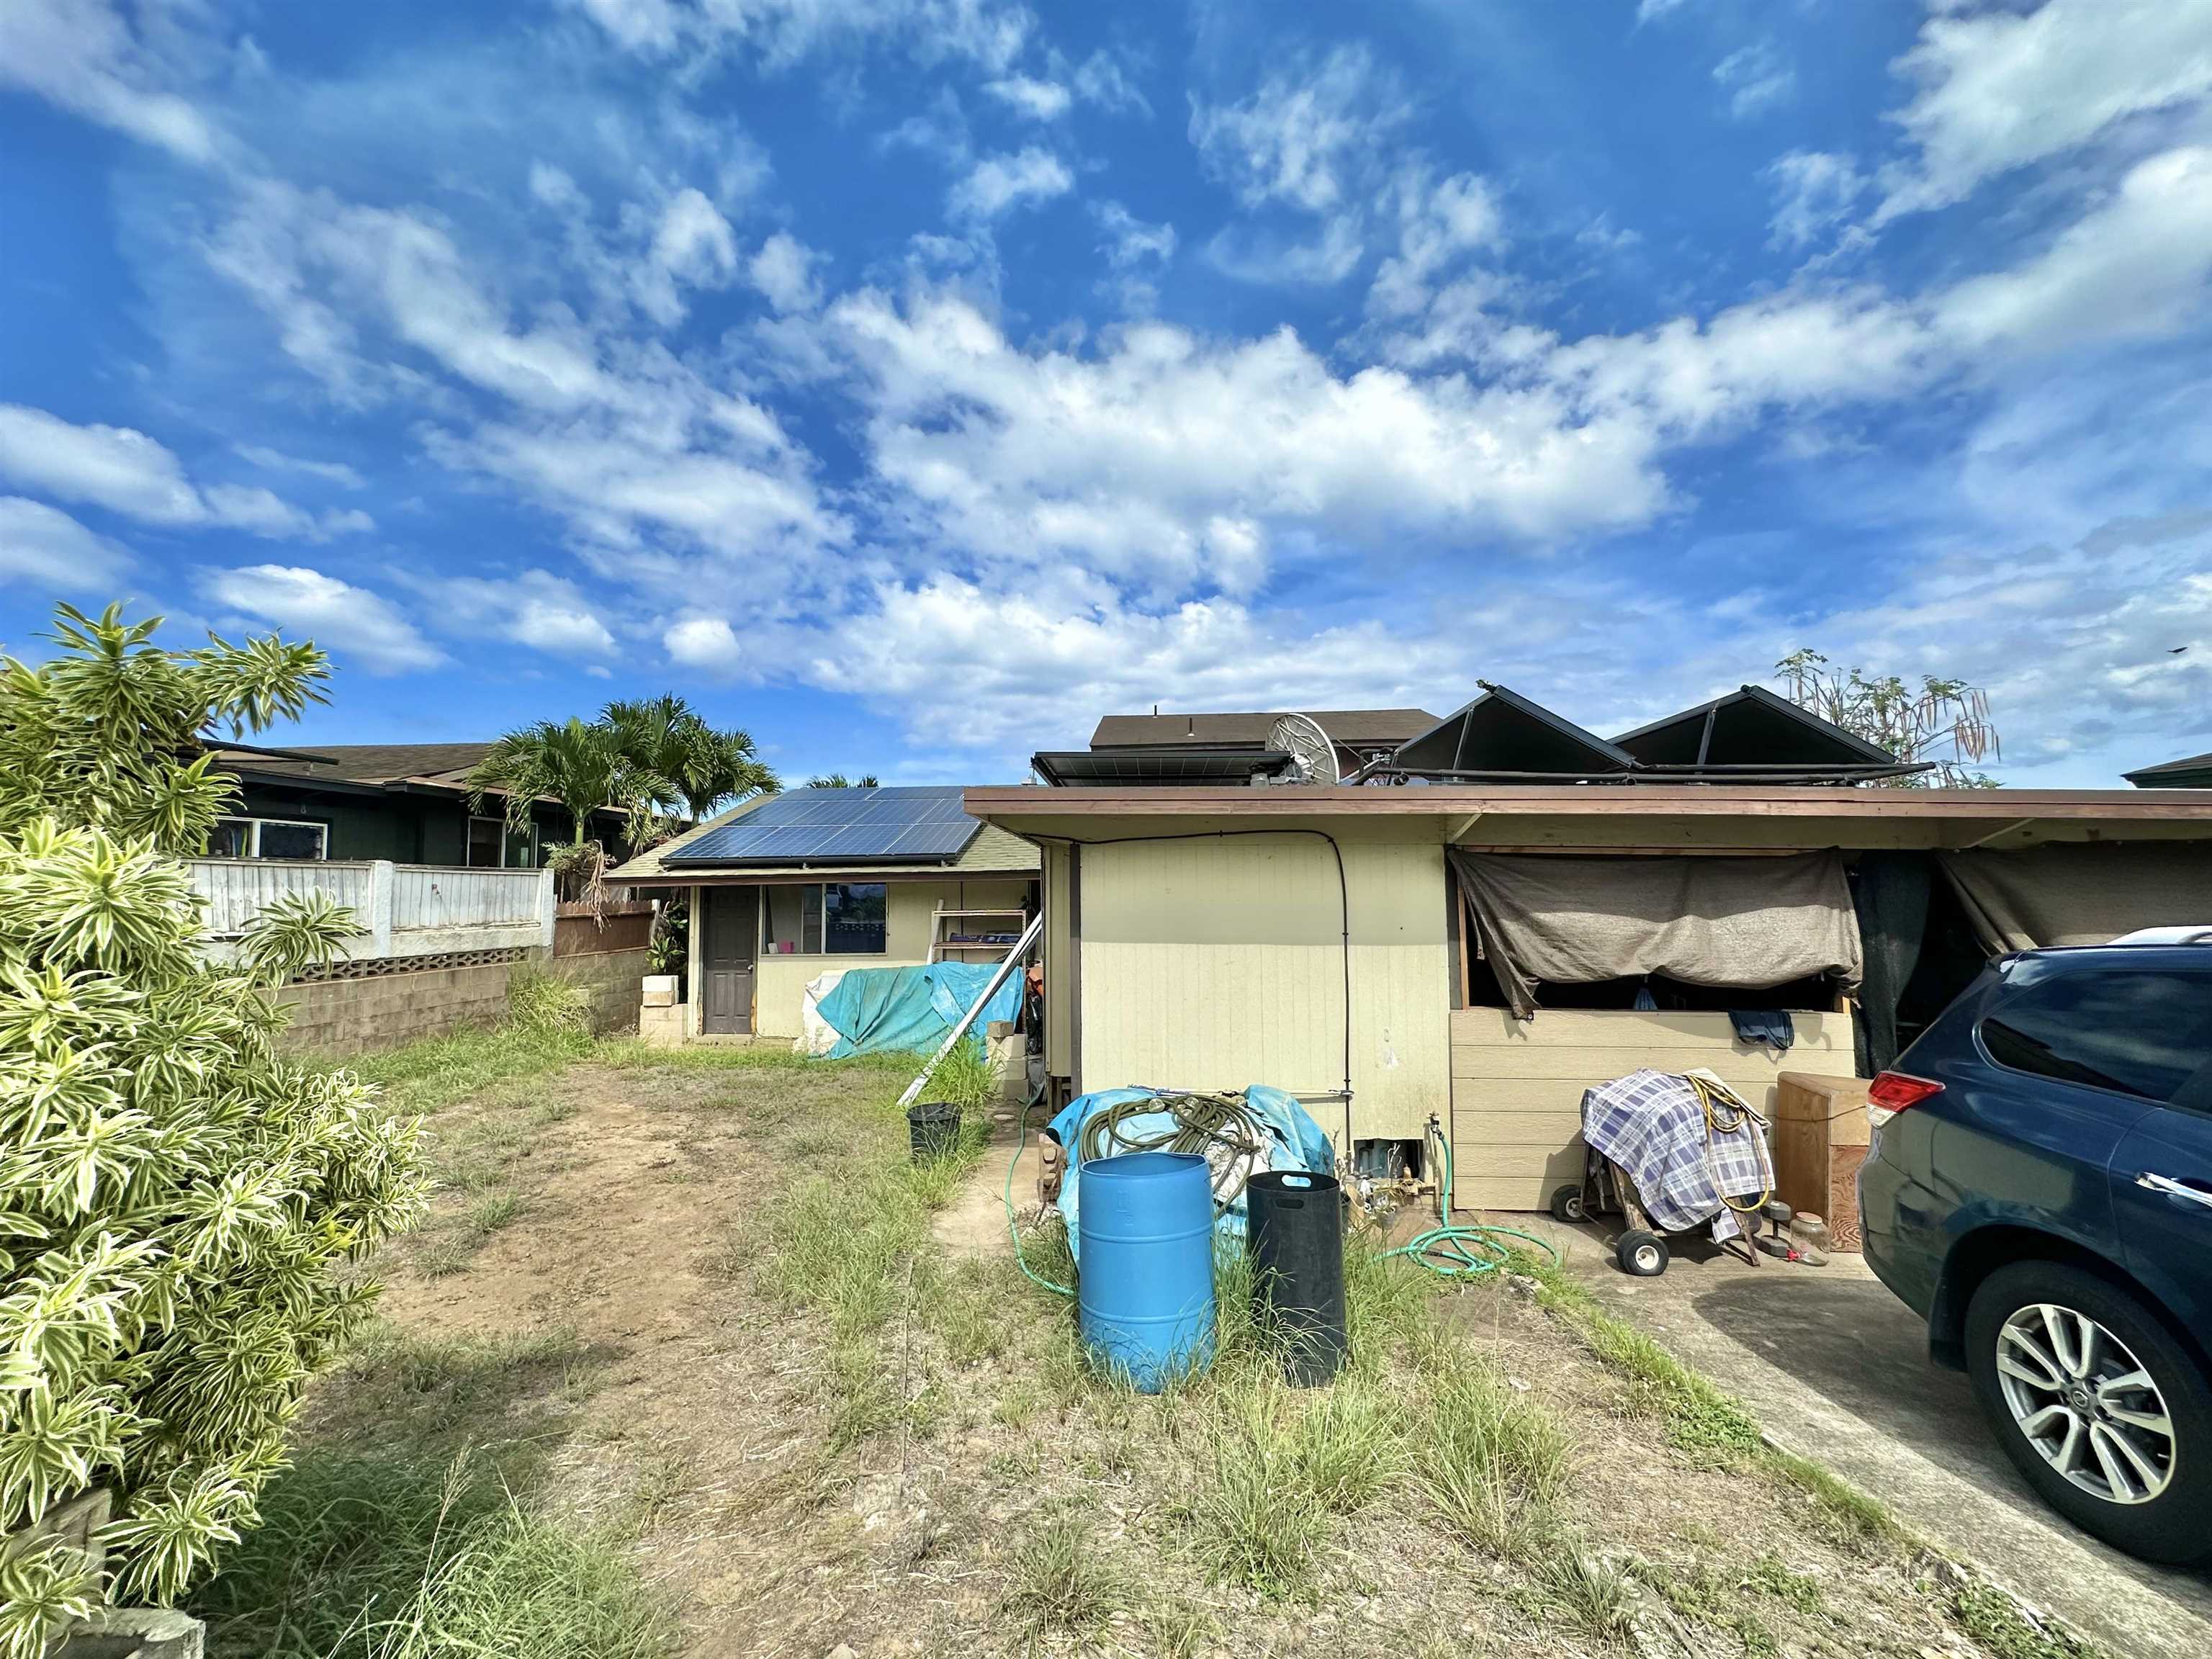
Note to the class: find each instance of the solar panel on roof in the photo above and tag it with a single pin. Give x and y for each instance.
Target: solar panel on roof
(844, 826)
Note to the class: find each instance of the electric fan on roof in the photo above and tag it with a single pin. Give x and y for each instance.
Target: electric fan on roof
(1313, 756)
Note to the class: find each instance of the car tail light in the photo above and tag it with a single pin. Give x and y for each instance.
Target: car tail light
(1891, 1092)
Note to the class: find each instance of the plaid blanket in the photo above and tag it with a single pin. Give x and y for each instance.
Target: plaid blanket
(1653, 1126)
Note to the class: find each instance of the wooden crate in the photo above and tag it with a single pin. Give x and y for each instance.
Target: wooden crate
(1821, 1135)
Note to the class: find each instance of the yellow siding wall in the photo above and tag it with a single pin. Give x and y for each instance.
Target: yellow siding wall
(1212, 964)
(779, 981)
(1517, 1088)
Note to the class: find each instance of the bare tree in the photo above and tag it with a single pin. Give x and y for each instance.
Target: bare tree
(1944, 722)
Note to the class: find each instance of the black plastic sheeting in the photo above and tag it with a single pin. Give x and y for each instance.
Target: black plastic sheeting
(1890, 893)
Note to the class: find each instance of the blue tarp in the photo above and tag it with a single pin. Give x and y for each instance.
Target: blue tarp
(1297, 1143)
(877, 1011)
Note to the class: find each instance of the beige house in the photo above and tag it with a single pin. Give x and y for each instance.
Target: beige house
(1324, 940)
(784, 888)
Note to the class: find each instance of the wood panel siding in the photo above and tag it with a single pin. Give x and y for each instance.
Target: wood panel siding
(1517, 1088)
(1217, 963)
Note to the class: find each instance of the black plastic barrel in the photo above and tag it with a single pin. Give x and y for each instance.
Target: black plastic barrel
(933, 1129)
(1294, 1229)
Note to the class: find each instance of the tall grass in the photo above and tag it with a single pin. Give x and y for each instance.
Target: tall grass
(407, 1527)
(1062, 1581)
(404, 1557)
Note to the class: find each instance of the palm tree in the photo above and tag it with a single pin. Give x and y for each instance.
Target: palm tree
(667, 736)
(585, 768)
(839, 781)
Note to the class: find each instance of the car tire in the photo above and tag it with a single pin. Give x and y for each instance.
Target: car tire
(2174, 1526)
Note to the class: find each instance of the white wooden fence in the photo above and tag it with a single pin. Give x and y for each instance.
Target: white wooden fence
(406, 909)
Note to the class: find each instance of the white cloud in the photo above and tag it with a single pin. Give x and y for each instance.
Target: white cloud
(1100, 80)
(537, 608)
(706, 643)
(781, 32)
(2134, 267)
(111, 466)
(1122, 460)
(1756, 78)
(1813, 191)
(999, 184)
(349, 620)
(1131, 242)
(1040, 100)
(1997, 87)
(1647, 10)
(639, 451)
(81, 55)
(275, 460)
(322, 268)
(1035, 674)
(128, 472)
(41, 546)
(1308, 137)
(783, 271)
(1440, 223)
(693, 246)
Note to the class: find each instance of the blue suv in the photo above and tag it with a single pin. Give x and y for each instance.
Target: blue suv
(2039, 1189)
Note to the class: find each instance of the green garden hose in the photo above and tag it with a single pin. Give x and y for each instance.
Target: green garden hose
(1468, 1250)
(1014, 1228)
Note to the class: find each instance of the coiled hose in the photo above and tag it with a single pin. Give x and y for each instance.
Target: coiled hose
(1466, 1249)
(1200, 1123)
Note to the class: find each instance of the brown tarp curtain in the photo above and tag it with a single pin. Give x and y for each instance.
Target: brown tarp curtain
(1751, 922)
(2081, 894)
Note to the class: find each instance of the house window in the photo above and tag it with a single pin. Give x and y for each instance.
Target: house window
(269, 838)
(837, 918)
(487, 842)
(494, 845)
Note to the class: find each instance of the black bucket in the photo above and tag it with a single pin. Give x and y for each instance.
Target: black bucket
(933, 1129)
(1294, 1229)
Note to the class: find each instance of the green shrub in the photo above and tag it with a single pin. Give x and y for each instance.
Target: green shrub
(178, 1204)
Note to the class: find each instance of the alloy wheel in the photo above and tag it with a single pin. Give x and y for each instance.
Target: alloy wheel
(2085, 1404)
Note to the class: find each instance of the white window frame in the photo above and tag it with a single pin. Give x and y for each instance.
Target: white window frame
(253, 836)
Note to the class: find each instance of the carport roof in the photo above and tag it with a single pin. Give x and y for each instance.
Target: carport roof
(1649, 818)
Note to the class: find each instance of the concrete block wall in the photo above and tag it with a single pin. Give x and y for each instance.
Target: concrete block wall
(349, 1015)
(615, 980)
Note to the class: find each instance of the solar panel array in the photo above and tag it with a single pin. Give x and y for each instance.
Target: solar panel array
(857, 826)
(1158, 766)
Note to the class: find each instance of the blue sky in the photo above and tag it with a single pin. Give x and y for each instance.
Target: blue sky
(912, 381)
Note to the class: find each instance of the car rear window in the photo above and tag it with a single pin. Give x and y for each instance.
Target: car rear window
(2143, 1032)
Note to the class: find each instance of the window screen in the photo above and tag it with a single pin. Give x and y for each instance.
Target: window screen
(485, 841)
(852, 918)
(2143, 1032)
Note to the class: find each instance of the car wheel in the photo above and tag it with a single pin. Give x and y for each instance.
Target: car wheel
(1641, 1254)
(2103, 1410)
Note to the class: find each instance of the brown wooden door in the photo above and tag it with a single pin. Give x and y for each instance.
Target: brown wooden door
(733, 917)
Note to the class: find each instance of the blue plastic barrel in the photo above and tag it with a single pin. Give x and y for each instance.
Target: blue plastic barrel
(1146, 1287)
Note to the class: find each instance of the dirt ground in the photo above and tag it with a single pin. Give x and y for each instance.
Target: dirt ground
(639, 1208)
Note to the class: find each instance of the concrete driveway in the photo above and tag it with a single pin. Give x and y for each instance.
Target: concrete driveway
(1836, 1369)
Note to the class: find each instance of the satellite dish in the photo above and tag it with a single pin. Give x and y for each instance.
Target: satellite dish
(1313, 756)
